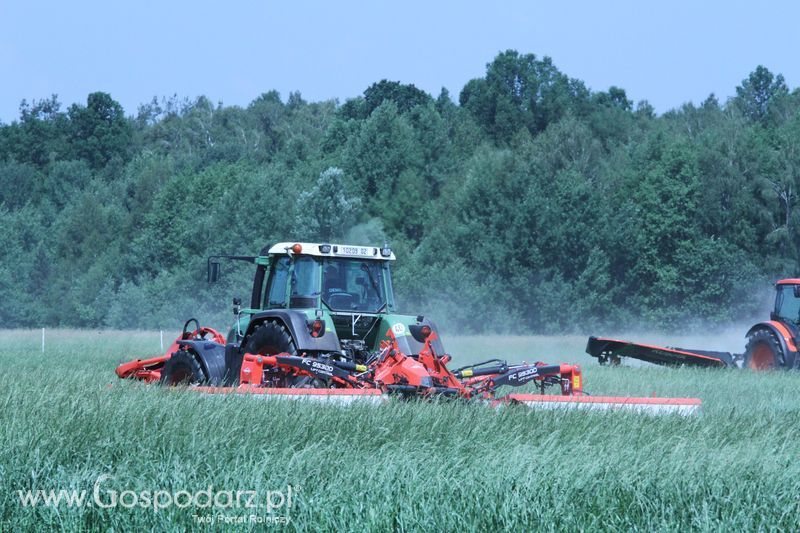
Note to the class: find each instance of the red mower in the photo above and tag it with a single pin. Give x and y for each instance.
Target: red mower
(771, 345)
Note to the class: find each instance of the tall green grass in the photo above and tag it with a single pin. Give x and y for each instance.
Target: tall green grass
(65, 420)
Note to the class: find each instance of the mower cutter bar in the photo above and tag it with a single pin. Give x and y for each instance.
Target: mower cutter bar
(335, 396)
(683, 406)
(611, 350)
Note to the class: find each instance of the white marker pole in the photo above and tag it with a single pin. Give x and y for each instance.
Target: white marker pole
(162, 340)
(42, 340)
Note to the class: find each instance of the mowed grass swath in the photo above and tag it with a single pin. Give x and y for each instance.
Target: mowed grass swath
(409, 465)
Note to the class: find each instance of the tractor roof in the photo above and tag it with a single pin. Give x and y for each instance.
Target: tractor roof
(333, 250)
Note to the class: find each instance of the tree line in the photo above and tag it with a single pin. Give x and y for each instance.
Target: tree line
(527, 203)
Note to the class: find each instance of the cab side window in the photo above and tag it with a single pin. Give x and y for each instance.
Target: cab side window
(276, 290)
(305, 283)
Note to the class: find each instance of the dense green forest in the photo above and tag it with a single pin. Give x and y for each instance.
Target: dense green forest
(527, 202)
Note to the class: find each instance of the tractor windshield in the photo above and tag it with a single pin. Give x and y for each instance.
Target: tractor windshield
(356, 285)
(787, 305)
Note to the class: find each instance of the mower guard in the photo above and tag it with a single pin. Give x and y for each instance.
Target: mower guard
(681, 406)
(611, 350)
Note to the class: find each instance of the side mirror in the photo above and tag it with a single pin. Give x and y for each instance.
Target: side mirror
(237, 306)
(213, 272)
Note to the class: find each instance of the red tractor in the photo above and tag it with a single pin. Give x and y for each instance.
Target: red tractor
(770, 345)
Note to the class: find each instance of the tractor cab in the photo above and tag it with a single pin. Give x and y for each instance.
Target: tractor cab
(326, 298)
(334, 278)
(787, 301)
(349, 286)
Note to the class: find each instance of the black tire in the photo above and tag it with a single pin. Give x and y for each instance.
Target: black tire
(763, 352)
(269, 338)
(182, 368)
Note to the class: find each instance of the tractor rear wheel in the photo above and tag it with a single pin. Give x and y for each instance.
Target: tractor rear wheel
(182, 369)
(269, 338)
(763, 351)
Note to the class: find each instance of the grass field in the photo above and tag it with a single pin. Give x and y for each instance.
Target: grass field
(65, 421)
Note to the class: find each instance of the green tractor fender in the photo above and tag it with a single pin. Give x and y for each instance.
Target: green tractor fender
(298, 324)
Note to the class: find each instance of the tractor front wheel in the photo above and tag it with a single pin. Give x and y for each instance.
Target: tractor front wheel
(182, 369)
(269, 338)
(763, 351)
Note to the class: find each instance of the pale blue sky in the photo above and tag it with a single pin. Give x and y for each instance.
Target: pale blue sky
(667, 52)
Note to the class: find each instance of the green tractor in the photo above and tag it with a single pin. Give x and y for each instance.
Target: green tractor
(328, 301)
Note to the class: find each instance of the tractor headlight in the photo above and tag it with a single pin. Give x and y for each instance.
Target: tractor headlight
(420, 332)
(317, 328)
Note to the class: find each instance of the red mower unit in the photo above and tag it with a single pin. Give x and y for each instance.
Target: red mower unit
(180, 363)
(322, 325)
(395, 373)
(770, 345)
